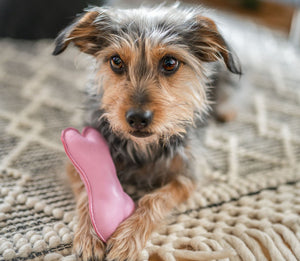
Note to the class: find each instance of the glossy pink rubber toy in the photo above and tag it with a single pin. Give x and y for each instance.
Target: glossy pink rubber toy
(109, 205)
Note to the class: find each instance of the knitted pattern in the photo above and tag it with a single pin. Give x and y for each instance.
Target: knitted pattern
(250, 209)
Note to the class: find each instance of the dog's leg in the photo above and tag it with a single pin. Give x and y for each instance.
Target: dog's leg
(226, 94)
(86, 244)
(225, 108)
(131, 236)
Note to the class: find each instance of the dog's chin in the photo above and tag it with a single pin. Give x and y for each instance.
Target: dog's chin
(140, 137)
(140, 134)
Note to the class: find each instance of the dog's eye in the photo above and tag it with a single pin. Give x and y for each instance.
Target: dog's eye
(169, 65)
(116, 64)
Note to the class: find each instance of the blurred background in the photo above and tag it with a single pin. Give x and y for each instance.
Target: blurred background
(35, 19)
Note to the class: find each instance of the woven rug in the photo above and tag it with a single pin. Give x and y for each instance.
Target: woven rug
(249, 211)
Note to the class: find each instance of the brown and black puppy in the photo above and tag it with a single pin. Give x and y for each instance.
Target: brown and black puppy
(149, 91)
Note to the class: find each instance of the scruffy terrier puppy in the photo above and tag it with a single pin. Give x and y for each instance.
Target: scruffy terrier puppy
(149, 91)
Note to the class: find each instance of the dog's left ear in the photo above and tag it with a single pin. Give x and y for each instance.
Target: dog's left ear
(86, 32)
(209, 45)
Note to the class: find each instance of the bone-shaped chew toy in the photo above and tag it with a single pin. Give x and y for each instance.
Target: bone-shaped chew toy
(109, 205)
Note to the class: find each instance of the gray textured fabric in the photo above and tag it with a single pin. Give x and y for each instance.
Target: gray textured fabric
(249, 211)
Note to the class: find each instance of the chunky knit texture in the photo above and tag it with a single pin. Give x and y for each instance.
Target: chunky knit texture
(250, 209)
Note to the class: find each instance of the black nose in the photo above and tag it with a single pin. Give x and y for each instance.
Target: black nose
(138, 119)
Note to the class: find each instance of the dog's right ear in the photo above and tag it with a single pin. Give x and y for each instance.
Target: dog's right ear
(209, 45)
(86, 32)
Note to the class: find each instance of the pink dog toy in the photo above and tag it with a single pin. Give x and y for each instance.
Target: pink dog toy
(109, 205)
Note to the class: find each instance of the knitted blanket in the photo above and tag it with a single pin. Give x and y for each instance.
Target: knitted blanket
(250, 209)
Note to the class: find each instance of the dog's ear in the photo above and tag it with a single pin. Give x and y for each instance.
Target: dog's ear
(209, 45)
(86, 32)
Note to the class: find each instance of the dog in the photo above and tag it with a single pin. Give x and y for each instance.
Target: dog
(150, 90)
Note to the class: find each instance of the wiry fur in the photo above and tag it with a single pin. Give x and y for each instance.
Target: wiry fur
(142, 37)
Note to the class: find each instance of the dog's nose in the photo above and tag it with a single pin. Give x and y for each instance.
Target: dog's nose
(139, 119)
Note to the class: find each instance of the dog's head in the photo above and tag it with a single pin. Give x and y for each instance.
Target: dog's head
(151, 66)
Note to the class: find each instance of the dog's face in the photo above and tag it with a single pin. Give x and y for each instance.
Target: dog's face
(150, 76)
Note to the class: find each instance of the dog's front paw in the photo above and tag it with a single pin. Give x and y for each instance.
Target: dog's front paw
(128, 240)
(88, 247)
